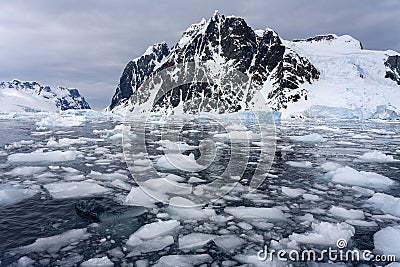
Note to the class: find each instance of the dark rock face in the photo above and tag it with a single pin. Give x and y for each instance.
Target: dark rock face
(317, 38)
(73, 100)
(233, 45)
(137, 70)
(393, 68)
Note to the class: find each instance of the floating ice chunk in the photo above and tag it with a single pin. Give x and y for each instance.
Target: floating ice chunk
(309, 138)
(194, 240)
(181, 202)
(350, 176)
(326, 128)
(138, 197)
(26, 171)
(178, 161)
(19, 144)
(152, 230)
(142, 263)
(238, 135)
(331, 166)
(311, 197)
(183, 260)
(236, 127)
(273, 214)
(325, 233)
(347, 214)
(362, 223)
(386, 241)
(121, 184)
(360, 136)
(37, 156)
(300, 164)
(65, 142)
(25, 262)
(163, 185)
(74, 189)
(170, 146)
(386, 203)
(196, 180)
(191, 212)
(292, 192)
(53, 244)
(61, 120)
(11, 195)
(228, 242)
(151, 245)
(107, 176)
(376, 156)
(95, 262)
(363, 191)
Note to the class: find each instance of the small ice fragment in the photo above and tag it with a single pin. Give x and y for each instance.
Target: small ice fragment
(292, 192)
(376, 156)
(95, 262)
(155, 229)
(299, 164)
(309, 138)
(347, 214)
(194, 240)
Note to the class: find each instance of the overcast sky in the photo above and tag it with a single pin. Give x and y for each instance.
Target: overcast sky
(87, 43)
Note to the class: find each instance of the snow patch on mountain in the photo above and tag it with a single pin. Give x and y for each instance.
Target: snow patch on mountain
(18, 96)
(352, 82)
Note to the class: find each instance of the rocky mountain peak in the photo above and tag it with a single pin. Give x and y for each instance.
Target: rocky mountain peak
(232, 44)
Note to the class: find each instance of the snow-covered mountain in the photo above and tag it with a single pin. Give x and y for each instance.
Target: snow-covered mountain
(323, 76)
(18, 96)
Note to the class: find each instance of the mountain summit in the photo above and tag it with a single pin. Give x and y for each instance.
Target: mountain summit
(294, 77)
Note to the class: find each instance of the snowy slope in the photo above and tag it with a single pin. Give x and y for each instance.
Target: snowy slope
(17, 96)
(350, 77)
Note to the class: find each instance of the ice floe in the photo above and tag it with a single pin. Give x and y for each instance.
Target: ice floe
(350, 176)
(386, 203)
(39, 156)
(309, 138)
(183, 260)
(53, 244)
(272, 214)
(74, 189)
(325, 233)
(386, 241)
(178, 161)
(376, 156)
(26, 171)
(350, 214)
(292, 192)
(300, 164)
(155, 229)
(10, 195)
(94, 262)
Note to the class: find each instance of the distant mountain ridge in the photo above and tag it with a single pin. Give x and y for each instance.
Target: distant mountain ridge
(17, 96)
(293, 76)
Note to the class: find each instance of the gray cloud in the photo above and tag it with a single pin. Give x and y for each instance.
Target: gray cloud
(86, 44)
